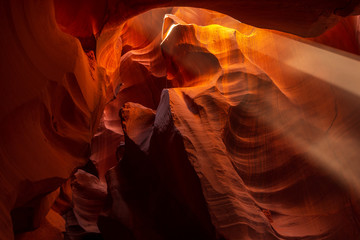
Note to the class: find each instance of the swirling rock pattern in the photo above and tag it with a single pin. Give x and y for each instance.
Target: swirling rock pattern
(50, 93)
(234, 132)
(249, 133)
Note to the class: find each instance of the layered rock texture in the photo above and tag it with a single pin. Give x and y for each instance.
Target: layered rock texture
(180, 123)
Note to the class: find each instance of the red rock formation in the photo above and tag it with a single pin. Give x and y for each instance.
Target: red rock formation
(306, 18)
(247, 135)
(254, 137)
(49, 97)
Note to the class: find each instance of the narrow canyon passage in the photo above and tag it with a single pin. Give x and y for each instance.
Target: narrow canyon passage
(144, 120)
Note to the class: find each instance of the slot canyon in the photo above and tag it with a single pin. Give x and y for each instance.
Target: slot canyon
(180, 120)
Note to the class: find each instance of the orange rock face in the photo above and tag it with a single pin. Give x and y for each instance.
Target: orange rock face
(250, 123)
(192, 124)
(49, 97)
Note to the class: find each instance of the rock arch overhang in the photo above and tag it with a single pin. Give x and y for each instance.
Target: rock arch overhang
(53, 93)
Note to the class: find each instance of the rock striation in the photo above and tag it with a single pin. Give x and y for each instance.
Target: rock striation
(244, 128)
(179, 123)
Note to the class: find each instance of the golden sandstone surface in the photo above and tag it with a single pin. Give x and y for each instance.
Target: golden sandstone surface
(180, 122)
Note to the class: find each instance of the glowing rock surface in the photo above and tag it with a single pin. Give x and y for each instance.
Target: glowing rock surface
(202, 127)
(253, 123)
